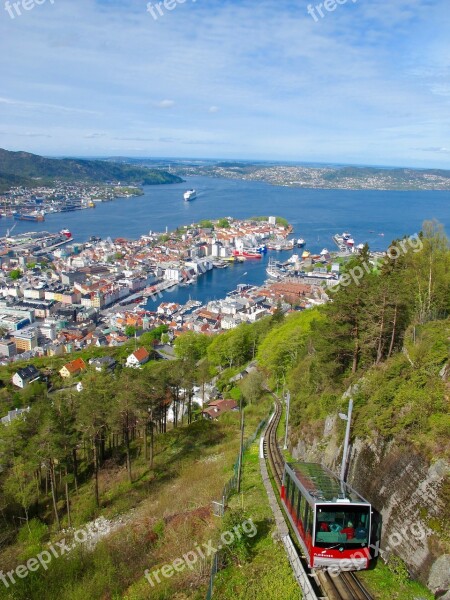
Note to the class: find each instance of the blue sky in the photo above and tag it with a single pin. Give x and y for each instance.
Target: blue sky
(366, 84)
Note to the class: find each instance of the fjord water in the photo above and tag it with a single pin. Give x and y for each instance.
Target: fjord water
(315, 214)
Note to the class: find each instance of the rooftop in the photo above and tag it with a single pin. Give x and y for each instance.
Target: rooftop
(321, 484)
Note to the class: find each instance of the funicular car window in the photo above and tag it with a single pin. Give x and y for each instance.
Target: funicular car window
(348, 526)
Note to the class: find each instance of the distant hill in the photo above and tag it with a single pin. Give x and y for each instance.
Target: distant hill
(23, 168)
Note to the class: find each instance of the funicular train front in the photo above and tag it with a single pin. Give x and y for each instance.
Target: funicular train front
(333, 523)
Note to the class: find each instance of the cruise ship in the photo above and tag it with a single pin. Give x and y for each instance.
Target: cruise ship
(190, 195)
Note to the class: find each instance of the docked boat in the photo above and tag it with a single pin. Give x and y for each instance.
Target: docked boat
(272, 270)
(262, 249)
(344, 242)
(190, 195)
(35, 216)
(247, 254)
(301, 243)
(66, 233)
(347, 237)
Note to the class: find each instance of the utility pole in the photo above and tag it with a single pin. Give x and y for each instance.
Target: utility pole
(288, 406)
(348, 418)
(241, 449)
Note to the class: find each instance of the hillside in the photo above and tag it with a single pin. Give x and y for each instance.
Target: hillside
(324, 176)
(111, 447)
(23, 168)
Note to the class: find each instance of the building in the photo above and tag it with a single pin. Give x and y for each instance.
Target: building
(75, 367)
(219, 407)
(25, 376)
(103, 363)
(173, 274)
(33, 293)
(13, 414)
(69, 278)
(138, 358)
(7, 348)
(26, 339)
(14, 319)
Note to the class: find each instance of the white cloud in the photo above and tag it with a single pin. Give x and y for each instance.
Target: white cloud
(165, 104)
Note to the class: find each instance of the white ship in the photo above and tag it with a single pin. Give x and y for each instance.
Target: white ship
(190, 195)
(272, 270)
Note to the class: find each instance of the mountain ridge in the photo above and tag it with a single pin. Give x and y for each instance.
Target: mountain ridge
(25, 168)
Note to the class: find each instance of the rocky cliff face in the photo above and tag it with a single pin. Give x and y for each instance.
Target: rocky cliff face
(405, 488)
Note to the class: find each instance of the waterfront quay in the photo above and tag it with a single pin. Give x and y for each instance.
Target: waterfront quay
(63, 298)
(32, 204)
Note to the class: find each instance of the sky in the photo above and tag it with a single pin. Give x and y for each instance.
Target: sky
(366, 83)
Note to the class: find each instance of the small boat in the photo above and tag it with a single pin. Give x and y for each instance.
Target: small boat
(190, 195)
(66, 233)
(301, 243)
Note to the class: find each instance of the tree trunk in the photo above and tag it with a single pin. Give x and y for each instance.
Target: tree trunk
(52, 485)
(430, 280)
(394, 331)
(381, 334)
(97, 500)
(68, 504)
(356, 352)
(126, 433)
(25, 510)
(152, 439)
(145, 442)
(75, 468)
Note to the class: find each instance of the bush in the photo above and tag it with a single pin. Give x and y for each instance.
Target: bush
(239, 551)
(32, 536)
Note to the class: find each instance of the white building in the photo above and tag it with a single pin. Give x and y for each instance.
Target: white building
(173, 274)
(138, 358)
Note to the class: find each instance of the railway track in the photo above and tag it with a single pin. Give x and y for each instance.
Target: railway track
(272, 450)
(344, 586)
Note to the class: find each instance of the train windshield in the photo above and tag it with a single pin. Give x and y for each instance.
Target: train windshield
(342, 525)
